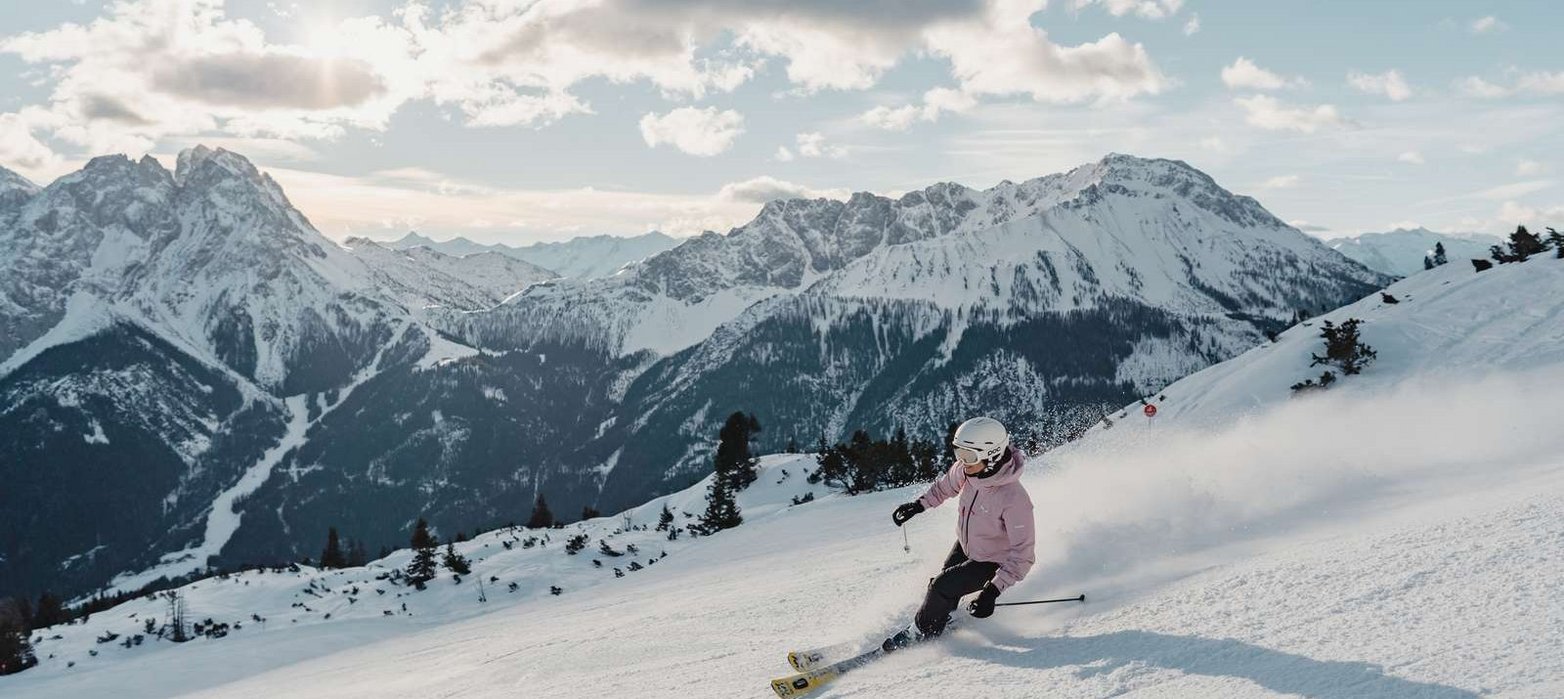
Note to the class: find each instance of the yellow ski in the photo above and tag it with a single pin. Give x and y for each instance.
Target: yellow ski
(806, 682)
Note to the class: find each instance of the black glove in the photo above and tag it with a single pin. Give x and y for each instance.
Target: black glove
(906, 512)
(983, 606)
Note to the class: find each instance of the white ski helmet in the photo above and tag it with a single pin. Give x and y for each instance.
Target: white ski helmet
(983, 436)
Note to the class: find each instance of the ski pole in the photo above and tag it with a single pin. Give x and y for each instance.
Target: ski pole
(904, 545)
(1078, 598)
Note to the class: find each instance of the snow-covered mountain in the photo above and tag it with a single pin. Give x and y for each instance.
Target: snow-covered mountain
(585, 257)
(1400, 252)
(164, 337)
(187, 352)
(422, 278)
(1041, 302)
(1393, 536)
(14, 190)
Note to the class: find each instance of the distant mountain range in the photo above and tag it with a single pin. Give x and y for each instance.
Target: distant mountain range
(586, 257)
(191, 374)
(1400, 252)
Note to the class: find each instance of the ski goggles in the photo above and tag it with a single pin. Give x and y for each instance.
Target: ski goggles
(968, 455)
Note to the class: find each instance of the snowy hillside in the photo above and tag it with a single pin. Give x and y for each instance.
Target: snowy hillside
(1400, 252)
(290, 613)
(1396, 535)
(585, 257)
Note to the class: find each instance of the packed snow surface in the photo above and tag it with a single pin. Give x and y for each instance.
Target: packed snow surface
(1398, 535)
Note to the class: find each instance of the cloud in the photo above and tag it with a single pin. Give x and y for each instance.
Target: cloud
(1485, 25)
(1307, 227)
(1534, 83)
(1526, 168)
(813, 145)
(1389, 84)
(20, 149)
(1477, 87)
(1514, 214)
(936, 102)
(1004, 55)
(1281, 182)
(703, 132)
(1513, 190)
(1193, 25)
(1541, 83)
(1266, 112)
(96, 107)
(269, 80)
(1245, 74)
(1413, 157)
(762, 189)
(395, 200)
(1215, 144)
(150, 69)
(783, 154)
(1145, 9)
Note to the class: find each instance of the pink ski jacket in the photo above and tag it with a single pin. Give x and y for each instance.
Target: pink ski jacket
(995, 520)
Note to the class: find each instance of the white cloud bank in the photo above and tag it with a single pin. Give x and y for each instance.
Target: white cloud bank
(703, 132)
(1390, 84)
(146, 70)
(1265, 112)
(1245, 74)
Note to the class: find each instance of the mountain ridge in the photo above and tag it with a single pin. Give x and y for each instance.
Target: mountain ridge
(374, 387)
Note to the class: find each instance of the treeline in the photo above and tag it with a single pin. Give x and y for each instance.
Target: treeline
(1521, 246)
(865, 464)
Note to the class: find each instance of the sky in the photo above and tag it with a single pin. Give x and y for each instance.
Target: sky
(519, 121)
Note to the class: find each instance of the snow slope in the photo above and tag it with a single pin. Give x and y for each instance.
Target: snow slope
(1395, 536)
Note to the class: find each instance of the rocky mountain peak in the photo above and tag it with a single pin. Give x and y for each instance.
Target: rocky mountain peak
(10, 181)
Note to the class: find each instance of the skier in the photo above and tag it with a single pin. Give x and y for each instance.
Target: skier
(994, 537)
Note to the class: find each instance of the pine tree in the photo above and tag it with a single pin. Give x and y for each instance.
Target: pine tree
(1428, 262)
(1524, 244)
(1343, 348)
(722, 511)
(589, 512)
(455, 562)
(541, 517)
(49, 611)
(792, 446)
(831, 466)
(358, 556)
(421, 569)
(16, 651)
(332, 556)
(733, 461)
(1556, 239)
(665, 518)
(1439, 254)
(868, 468)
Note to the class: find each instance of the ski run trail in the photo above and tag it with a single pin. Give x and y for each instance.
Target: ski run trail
(1400, 534)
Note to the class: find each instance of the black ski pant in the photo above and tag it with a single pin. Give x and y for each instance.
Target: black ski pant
(961, 576)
